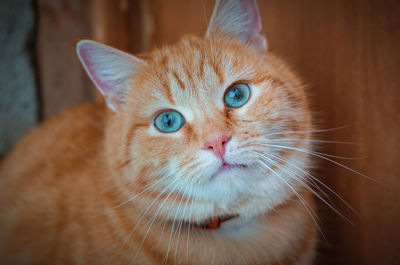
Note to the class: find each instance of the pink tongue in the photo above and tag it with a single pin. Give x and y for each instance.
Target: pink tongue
(226, 167)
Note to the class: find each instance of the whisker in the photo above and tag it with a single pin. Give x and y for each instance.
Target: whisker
(162, 204)
(154, 218)
(319, 153)
(189, 221)
(164, 224)
(181, 221)
(173, 227)
(325, 158)
(183, 175)
(155, 200)
(143, 214)
(140, 193)
(310, 189)
(306, 206)
(313, 141)
(310, 181)
(312, 131)
(320, 182)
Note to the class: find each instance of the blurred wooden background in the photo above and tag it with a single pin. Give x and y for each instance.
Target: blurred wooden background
(347, 51)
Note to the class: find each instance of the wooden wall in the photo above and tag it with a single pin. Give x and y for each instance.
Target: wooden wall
(347, 51)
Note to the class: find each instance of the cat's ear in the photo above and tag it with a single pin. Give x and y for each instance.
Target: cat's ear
(238, 19)
(111, 70)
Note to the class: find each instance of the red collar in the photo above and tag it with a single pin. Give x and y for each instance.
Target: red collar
(214, 222)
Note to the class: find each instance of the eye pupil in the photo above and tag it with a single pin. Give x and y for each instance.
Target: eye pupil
(237, 93)
(167, 120)
(234, 94)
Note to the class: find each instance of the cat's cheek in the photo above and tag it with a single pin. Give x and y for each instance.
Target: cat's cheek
(209, 163)
(237, 152)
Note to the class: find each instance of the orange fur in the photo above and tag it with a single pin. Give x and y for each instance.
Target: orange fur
(65, 189)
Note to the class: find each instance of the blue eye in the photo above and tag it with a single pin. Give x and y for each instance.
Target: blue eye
(169, 121)
(237, 95)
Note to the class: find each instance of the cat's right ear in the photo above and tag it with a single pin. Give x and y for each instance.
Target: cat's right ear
(238, 19)
(111, 70)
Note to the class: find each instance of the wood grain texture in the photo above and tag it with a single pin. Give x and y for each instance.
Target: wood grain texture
(172, 19)
(118, 24)
(62, 82)
(347, 52)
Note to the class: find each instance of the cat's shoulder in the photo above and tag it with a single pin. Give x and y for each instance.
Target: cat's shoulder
(59, 141)
(79, 120)
(47, 178)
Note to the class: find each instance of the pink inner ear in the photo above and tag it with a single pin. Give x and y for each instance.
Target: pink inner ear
(110, 70)
(256, 18)
(239, 19)
(83, 54)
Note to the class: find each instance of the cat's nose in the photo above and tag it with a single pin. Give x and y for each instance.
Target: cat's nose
(217, 145)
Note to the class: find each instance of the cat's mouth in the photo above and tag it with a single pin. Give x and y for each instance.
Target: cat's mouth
(214, 222)
(226, 167)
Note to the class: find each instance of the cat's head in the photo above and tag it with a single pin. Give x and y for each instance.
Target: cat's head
(203, 121)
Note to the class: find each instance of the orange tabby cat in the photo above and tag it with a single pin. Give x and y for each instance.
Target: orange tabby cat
(193, 162)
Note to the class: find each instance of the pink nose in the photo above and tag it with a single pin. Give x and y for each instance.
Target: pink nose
(217, 145)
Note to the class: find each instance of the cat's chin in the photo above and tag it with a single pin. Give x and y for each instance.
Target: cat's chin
(227, 184)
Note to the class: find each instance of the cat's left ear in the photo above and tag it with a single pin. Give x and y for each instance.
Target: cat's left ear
(111, 70)
(238, 19)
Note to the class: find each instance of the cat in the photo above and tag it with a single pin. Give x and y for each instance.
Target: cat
(192, 160)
